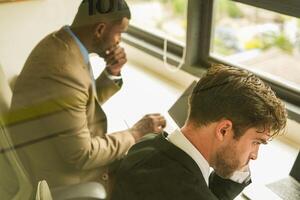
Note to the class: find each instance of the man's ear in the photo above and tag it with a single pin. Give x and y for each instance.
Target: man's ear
(99, 30)
(223, 129)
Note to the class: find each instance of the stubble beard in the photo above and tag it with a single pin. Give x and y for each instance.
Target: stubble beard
(226, 162)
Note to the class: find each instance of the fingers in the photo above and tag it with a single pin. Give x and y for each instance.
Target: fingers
(117, 63)
(111, 49)
(115, 56)
(118, 59)
(117, 51)
(115, 59)
(158, 122)
(150, 123)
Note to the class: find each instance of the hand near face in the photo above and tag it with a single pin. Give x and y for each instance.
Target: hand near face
(151, 123)
(115, 58)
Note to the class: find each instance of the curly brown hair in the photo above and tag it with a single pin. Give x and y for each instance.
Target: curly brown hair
(236, 94)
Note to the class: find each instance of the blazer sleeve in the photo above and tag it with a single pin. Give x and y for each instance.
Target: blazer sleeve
(68, 125)
(225, 189)
(106, 87)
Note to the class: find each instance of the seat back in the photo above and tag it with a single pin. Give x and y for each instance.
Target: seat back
(14, 181)
(5, 93)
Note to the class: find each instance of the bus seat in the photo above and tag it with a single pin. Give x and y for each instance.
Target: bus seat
(5, 93)
(14, 182)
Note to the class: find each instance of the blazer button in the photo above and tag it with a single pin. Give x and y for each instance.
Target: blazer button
(105, 177)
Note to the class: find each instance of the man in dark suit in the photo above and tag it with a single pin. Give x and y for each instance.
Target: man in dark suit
(231, 112)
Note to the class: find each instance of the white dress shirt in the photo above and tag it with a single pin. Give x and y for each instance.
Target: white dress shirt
(178, 139)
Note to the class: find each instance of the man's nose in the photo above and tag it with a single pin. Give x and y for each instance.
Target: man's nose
(254, 154)
(118, 40)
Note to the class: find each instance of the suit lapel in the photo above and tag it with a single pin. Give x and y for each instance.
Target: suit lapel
(71, 44)
(178, 155)
(64, 37)
(185, 160)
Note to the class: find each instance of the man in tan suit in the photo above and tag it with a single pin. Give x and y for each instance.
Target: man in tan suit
(56, 119)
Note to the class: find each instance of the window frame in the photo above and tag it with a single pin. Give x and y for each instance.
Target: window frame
(199, 26)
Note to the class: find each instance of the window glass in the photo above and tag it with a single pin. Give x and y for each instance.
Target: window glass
(260, 40)
(166, 18)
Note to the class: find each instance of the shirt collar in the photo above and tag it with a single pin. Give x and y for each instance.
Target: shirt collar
(82, 48)
(178, 139)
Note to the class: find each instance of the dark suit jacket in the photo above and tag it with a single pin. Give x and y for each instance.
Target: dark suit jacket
(57, 119)
(156, 169)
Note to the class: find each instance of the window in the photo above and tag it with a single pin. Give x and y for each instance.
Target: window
(261, 36)
(160, 17)
(263, 41)
(160, 23)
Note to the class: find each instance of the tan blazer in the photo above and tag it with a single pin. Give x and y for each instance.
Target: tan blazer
(56, 119)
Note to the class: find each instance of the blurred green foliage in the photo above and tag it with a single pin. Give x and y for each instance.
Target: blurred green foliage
(178, 6)
(270, 40)
(230, 8)
(282, 42)
(221, 48)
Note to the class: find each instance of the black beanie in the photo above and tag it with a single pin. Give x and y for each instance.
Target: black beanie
(93, 11)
